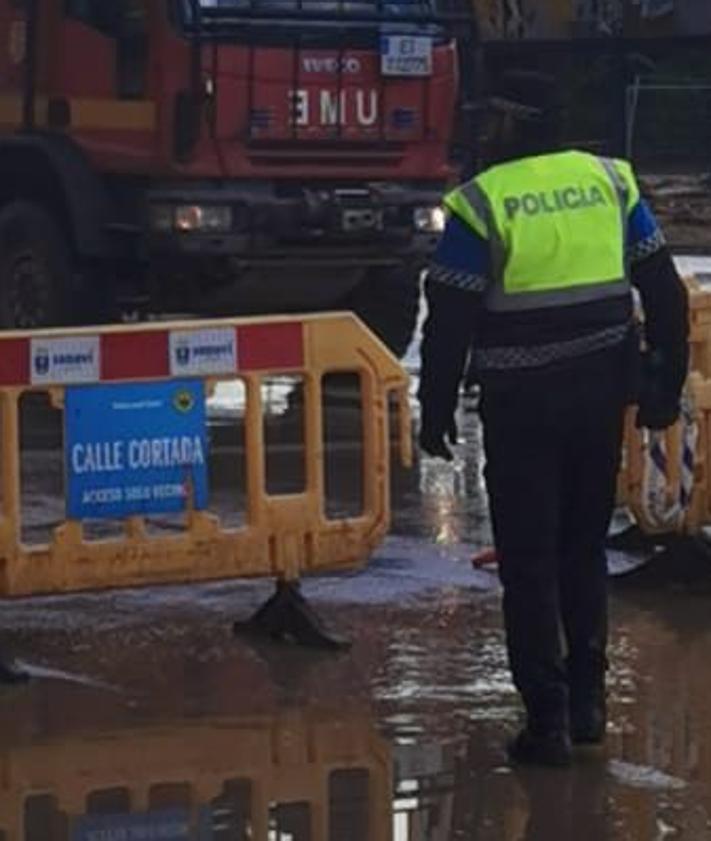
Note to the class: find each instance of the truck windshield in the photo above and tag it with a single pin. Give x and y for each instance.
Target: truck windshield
(274, 18)
(406, 8)
(365, 11)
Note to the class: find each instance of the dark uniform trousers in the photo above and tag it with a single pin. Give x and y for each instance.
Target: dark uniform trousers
(553, 442)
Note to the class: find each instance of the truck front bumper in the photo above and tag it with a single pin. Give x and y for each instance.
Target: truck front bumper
(254, 222)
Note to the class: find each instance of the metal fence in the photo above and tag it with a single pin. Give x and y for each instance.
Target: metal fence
(668, 126)
(648, 99)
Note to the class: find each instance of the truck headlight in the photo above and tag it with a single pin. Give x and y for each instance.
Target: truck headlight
(429, 220)
(191, 218)
(215, 219)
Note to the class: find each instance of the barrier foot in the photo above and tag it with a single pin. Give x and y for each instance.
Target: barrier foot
(288, 616)
(11, 675)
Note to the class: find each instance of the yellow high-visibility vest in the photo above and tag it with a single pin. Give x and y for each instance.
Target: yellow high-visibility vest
(556, 226)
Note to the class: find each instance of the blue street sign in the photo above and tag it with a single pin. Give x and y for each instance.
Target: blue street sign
(165, 825)
(135, 449)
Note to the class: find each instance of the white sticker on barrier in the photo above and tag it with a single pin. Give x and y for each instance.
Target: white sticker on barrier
(203, 352)
(64, 361)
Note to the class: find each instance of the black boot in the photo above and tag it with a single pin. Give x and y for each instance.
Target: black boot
(586, 686)
(550, 748)
(545, 740)
(588, 719)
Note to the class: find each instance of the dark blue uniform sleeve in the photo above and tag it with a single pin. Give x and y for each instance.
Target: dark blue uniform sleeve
(665, 301)
(461, 259)
(459, 272)
(644, 236)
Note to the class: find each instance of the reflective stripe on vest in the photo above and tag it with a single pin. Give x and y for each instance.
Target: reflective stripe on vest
(556, 226)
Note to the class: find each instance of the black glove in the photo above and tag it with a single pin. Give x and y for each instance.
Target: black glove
(658, 417)
(659, 405)
(434, 441)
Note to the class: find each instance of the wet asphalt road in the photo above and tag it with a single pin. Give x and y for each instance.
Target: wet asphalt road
(147, 720)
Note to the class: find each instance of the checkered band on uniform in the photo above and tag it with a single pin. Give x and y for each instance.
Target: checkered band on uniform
(458, 279)
(647, 247)
(520, 357)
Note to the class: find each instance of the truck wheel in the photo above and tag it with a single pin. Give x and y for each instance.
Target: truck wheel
(35, 269)
(388, 301)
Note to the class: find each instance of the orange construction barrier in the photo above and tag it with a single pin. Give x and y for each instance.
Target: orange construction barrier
(136, 444)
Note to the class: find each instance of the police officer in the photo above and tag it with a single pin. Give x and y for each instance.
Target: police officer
(535, 272)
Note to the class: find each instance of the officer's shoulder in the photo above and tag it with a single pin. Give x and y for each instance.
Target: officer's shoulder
(478, 180)
(493, 171)
(624, 167)
(625, 170)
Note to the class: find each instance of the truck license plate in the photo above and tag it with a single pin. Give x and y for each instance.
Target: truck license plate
(405, 55)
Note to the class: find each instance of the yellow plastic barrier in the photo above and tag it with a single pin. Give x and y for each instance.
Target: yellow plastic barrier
(665, 479)
(700, 333)
(284, 536)
(307, 775)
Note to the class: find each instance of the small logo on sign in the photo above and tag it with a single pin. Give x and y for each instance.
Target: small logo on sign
(65, 360)
(182, 354)
(184, 401)
(203, 352)
(41, 362)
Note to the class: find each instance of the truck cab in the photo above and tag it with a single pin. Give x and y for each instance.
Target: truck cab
(223, 156)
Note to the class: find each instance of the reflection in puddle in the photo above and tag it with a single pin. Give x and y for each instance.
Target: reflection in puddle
(287, 776)
(446, 503)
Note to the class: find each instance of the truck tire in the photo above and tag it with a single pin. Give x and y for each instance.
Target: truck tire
(35, 269)
(388, 301)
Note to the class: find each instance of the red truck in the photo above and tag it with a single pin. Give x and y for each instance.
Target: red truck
(222, 156)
